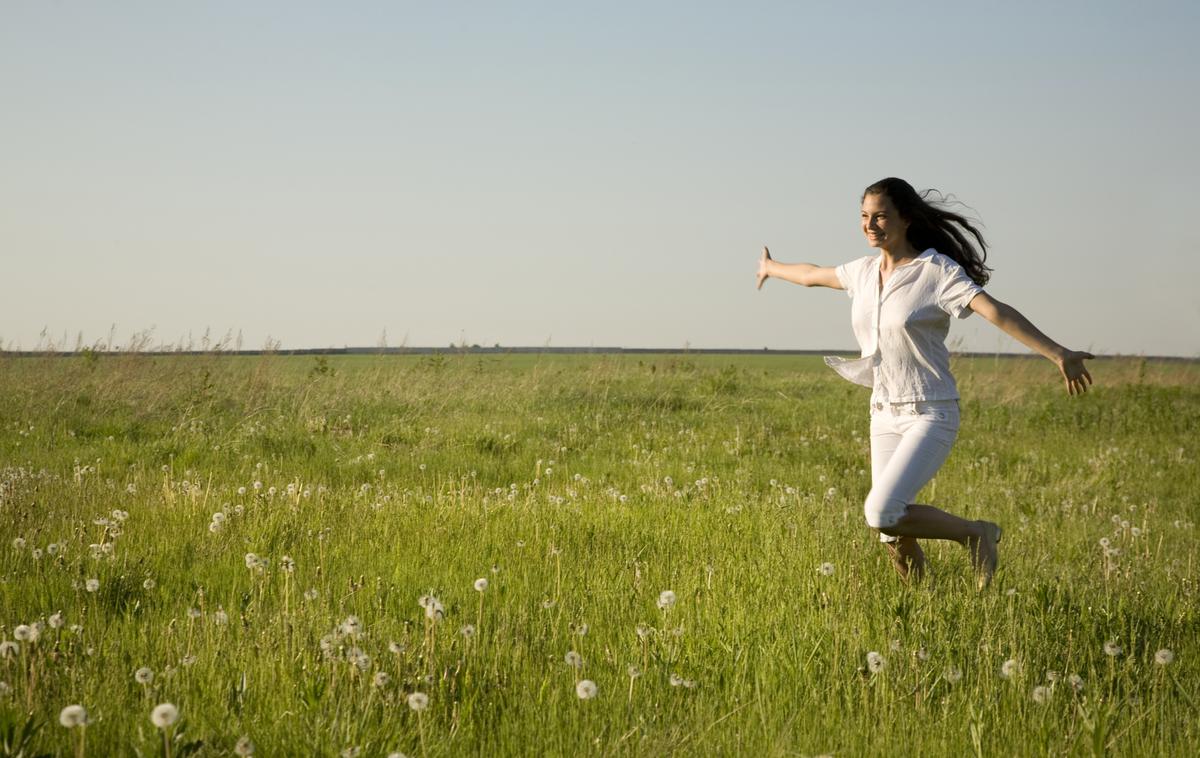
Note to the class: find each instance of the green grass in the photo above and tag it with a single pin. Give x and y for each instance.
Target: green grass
(581, 487)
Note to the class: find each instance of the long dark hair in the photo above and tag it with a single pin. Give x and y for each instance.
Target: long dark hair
(931, 224)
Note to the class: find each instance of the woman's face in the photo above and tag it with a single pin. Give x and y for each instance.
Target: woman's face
(881, 223)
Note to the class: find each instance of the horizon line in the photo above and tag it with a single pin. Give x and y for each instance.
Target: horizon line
(524, 350)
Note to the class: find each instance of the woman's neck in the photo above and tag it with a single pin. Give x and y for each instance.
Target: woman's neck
(901, 254)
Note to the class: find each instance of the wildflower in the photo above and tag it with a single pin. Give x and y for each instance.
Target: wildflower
(311, 594)
(467, 631)
(92, 585)
(18, 543)
(1104, 543)
(287, 564)
(25, 633)
(194, 613)
(875, 662)
(56, 620)
(144, 675)
(952, 674)
(241, 490)
(418, 701)
(164, 715)
(826, 569)
(1112, 649)
(36, 554)
(356, 657)
(1052, 677)
(244, 747)
(1041, 694)
(214, 527)
(1164, 657)
(220, 617)
(573, 659)
(5, 690)
(922, 654)
(257, 485)
(481, 584)
(351, 627)
(218, 517)
(351, 752)
(643, 631)
(433, 607)
(396, 648)
(582, 629)
(73, 716)
(666, 599)
(380, 679)
(586, 689)
(397, 754)
(633, 671)
(1076, 682)
(148, 584)
(1010, 668)
(548, 603)
(8, 649)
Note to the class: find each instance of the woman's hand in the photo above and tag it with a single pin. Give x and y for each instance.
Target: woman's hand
(763, 263)
(1076, 375)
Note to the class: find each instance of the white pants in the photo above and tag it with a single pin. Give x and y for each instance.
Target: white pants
(909, 443)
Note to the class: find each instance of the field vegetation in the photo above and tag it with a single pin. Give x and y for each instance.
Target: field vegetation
(634, 555)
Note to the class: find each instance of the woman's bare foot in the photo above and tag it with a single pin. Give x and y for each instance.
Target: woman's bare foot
(985, 555)
(907, 558)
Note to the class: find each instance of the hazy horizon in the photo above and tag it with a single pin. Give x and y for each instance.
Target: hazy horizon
(584, 174)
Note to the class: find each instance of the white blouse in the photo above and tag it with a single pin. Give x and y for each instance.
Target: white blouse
(902, 326)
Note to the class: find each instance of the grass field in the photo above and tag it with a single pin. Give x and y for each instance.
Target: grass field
(248, 539)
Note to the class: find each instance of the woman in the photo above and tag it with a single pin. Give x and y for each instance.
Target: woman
(926, 270)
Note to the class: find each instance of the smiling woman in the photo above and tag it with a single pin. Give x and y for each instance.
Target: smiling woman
(930, 266)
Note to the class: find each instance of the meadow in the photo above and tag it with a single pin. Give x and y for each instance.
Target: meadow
(633, 555)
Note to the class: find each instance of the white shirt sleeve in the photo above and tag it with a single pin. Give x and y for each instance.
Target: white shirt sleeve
(849, 274)
(956, 290)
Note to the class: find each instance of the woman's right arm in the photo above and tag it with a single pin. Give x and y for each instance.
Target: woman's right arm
(797, 273)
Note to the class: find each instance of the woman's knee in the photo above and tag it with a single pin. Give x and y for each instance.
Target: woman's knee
(883, 510)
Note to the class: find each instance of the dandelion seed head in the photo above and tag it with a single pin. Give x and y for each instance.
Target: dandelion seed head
(18, 543)
(220, 617)
(952, 674)
(25, 633)
(8, 649)
(244, 747)
(92, 585)
(73, 716)
(826, 569)
(164, 715)
(148, 584)
(144, 675)
(1010, 668)
(56, 620)
(1164, 657)
(875, 662)
(633, 671)
(481, 584)
(586, 689)
(666, 599)
(351, 627)
(573, 659)
(1112, 649)
(467, 631)
(418, 701)
(380, 679)
(1041, 694)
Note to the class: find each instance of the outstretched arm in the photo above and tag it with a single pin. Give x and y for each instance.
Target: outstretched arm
(797, 273)
(1012, 323)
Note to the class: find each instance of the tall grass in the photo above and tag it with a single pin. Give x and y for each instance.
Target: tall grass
(581, 487)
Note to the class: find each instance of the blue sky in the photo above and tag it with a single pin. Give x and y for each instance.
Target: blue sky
(583, 174)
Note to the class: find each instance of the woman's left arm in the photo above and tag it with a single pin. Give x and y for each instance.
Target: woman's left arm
(1009, 320)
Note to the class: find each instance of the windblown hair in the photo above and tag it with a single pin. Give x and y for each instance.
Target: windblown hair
(931, 224)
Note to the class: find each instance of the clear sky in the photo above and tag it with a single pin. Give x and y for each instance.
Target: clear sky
(572, 173)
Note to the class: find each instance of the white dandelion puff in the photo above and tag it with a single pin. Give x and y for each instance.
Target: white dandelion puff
(287, 564)
(9, 649)
(1164, 657)
(826, 569)
(380, 679)
(144, 675)
(418, 701)
(1076, 682)
(92, 585)
(467, 631)
(1041, 694)
(25, 633)
(18, 543)
(573, 659)
(666, 599)
(351, 627)
(56, 620)
(73, 716)
(1010, 668)
(251, 561)
(1112, 649)
(244, 747)
(586, 689)
(952, 674)
(481, 584)
(875, 662)
(148, 584)
(164, 715)
(220, 617)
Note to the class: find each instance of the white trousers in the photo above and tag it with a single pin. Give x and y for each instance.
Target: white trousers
(909, 443)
